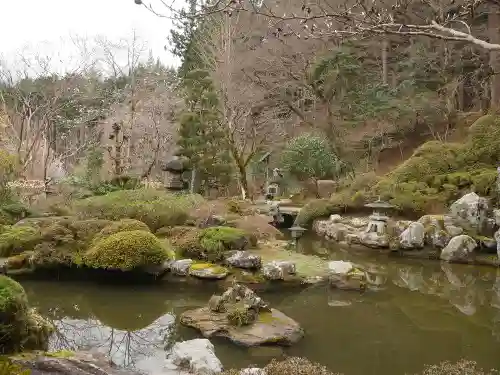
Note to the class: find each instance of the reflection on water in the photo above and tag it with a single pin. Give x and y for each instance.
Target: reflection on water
(415, 313)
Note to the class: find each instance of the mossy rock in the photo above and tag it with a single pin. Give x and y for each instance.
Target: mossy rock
(38, 331)
(215, 240)
(239, 315)
(208, 271)
(16, 239)
(127, 251)
(120, 226)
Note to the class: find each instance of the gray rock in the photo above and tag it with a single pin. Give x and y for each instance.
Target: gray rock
(194, 356)
(459, 249)
(470, 209)
(180, 267)
(373, 239)
(496, 216)
(253, 371)
(277, 270)
(412, 237)
(453, 230)
(243, 259)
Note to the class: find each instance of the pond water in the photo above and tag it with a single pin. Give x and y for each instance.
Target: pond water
(421, 313)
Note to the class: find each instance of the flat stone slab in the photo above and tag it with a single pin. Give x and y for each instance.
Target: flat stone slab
(272, 327)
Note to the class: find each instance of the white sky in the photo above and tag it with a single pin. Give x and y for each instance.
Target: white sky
(46, 25)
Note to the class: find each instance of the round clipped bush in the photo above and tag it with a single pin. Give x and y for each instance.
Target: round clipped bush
(126, 251)
(120, 226)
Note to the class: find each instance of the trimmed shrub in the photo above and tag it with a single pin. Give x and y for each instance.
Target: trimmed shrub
(291, 366)
(154, 208)
(126, 251)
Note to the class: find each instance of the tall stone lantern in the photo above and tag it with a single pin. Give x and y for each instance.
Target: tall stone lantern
(174, 168)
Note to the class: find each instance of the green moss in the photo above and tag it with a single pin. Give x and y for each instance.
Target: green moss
(317, 208)
(16, 239)
(86, 230)
(214, 268)
(239, 315)
(127, 251)
(154, 208)
(120, 226)
(215, 240)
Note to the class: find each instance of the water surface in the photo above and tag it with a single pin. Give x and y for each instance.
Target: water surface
(421, 312)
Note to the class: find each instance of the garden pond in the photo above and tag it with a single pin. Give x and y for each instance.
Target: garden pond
(421, 312)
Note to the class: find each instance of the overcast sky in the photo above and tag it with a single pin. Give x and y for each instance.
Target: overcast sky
(45, 25)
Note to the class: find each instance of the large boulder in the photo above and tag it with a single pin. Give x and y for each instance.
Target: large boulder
(194, 357)
(470, 210)
(459, 249)
(412, 237)
(244, 318)
(374, 240)
(278, 270)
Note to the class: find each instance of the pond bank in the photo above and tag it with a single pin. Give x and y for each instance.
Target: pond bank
(453, 309)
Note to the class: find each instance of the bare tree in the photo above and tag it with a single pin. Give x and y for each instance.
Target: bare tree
(247, 121)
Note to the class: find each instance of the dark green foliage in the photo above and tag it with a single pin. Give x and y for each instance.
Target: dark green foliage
(311, 157)
(200, 139)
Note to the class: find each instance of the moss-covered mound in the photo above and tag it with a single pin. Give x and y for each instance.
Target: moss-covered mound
(186, 241)
(127, 251)
(215, 240)
(20, 327)
(434, 176)
(154, 208)
(120, 226)
(16, 239)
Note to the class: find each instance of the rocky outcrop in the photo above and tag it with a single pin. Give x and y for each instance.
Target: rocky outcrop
(459, 249)
(244, 318)
(470, 209)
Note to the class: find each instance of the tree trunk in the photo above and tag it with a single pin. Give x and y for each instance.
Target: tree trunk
(243, 180)
(193, 180)
(494, 37)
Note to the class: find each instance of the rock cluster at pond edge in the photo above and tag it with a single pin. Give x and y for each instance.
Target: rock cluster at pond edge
(464, 235)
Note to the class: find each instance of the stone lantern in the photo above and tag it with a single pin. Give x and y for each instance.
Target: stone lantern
(297, 231)
(376, 234)
(174, 169)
